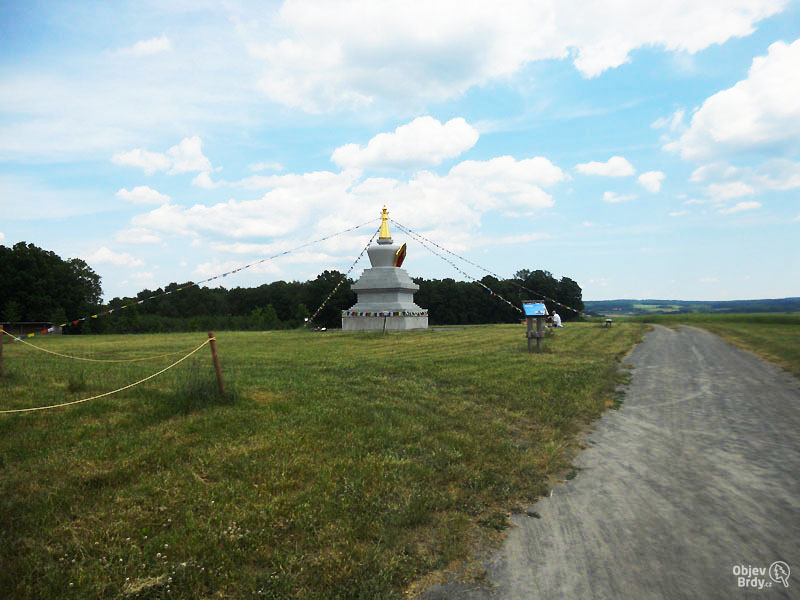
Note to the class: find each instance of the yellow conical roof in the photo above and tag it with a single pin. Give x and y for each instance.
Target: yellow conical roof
(384, 234)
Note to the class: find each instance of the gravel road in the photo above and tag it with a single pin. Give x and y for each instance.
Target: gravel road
(696, 475)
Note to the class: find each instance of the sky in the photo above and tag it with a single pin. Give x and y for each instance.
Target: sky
(646, 149)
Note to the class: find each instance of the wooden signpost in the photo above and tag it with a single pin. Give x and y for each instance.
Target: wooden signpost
(538, 311)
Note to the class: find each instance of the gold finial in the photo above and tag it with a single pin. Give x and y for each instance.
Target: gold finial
(385, 235)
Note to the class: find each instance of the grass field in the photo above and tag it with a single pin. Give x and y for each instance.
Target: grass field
(773, 336)
(657, 308)
(344, 465)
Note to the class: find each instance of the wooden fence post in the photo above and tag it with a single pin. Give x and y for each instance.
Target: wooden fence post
(215, 357)
(2, 343)
(529, 333)
(539, 332)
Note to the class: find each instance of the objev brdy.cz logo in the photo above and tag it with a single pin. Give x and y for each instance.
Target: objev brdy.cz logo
(748, 576)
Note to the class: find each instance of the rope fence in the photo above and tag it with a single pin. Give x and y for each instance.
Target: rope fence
(425, 242)
(130, 385)
(100, 360)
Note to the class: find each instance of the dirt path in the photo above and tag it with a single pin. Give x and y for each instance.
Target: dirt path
(697, 473)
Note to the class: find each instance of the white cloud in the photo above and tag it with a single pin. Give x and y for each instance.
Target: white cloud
(796, 219)
(148, 47)
(475, 187)
(185, 157)
(537, 170)
(673, 122)
(216, 267)
(340, 243)
(422, 142)
(730, 190)
(290, 202)
(137, 235)
(762, 111)
(739, 207)
(142, 275)
(203, 180)
(105, 256)
(606, 33)
(266, 166)
(269, 250)
(708, 280)
(142, 195)
(651, 181)
(616, 166)
(614, 198)
(260, 182)
(718, 170)
(104, 103)
(522, 238)
(142, 279)
(149, 161)
(679, 213)
(396, 56)
(315, 202)
(599, 282)
(2, 236)
(778, 174)
(353, 53)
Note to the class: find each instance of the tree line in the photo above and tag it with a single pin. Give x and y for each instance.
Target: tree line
(37, 285)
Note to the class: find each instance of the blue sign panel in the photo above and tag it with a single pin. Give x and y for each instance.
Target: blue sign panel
(534, 309)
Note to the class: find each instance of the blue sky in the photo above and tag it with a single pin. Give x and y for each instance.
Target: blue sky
(645, 149)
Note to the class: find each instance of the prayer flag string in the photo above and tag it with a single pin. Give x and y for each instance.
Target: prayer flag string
(184, 287)
(420, 237)
(456, 267)
(338, 285)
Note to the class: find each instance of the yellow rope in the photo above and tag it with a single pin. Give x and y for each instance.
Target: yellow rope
(19, 410)
(111, 360)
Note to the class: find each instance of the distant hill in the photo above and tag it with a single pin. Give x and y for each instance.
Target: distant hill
(639, 307)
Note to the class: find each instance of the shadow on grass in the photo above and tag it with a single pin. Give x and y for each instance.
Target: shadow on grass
(77, 382)
(193, 389)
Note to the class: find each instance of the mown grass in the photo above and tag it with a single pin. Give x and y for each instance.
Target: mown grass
(773, 336)
(344, 466)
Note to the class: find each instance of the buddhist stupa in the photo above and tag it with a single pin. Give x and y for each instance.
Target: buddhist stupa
(385, 292)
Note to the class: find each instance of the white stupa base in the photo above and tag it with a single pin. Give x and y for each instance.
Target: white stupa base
(379, 323)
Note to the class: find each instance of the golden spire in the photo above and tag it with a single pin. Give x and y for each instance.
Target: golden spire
(385, 235)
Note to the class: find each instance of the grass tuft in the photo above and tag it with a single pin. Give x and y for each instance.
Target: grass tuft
(77, 382)
(497, 521)
(196, 388)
